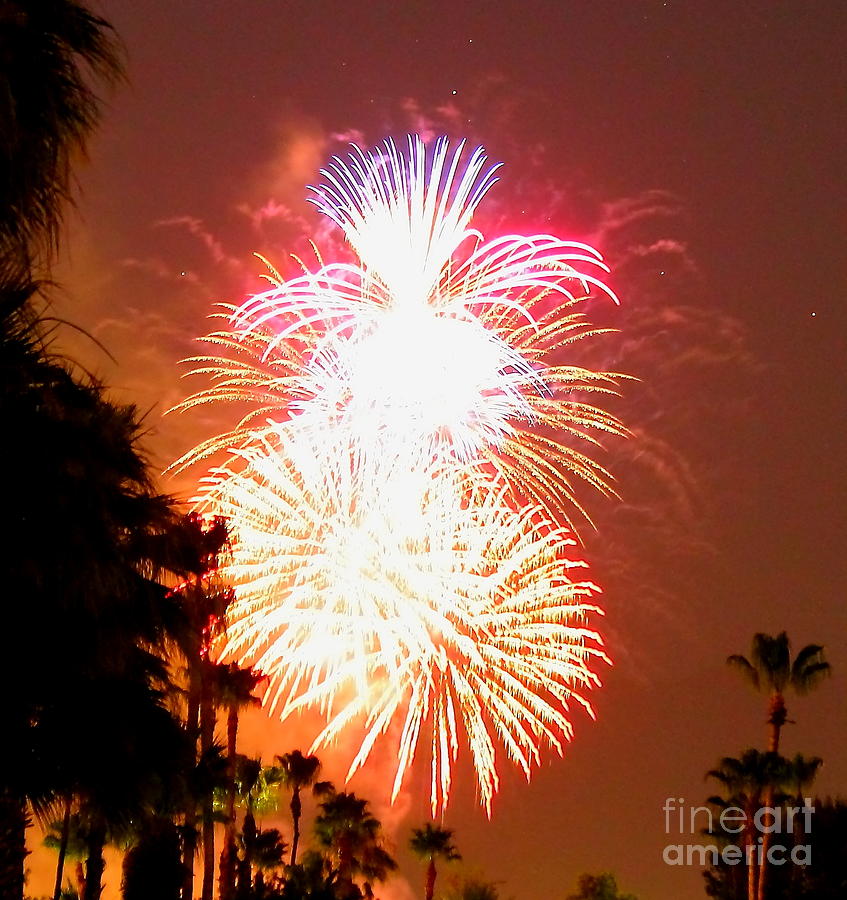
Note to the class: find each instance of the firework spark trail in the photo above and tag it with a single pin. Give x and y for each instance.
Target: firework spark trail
(371, 609)
(450, 349)
(395, 485)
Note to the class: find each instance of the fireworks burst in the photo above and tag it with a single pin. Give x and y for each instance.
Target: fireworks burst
(396, 486)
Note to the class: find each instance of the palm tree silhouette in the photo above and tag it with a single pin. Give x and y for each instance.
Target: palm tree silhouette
(771, 670)
(346, 828)
(298, 771)
(234, 690)
(748, 780)
(430, 843)
(53, 56)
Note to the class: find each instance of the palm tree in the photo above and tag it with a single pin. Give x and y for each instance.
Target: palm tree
(430, 843)
(265, 849)
(53, 57)
(153, 866)
(599, 887)
(353, 836)
(298, 771)
(472, 889)
(235, 688)
(257, 786)
(83, 514)
(66, 836)
(802, 771)
(748, 780)
(312, 878)
(770, 670)
(801, 774)
(196, 545)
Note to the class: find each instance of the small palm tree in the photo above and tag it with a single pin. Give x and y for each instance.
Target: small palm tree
(258, 788)
(430, 843)
(353, 836)
(802, 772)
(298, 771)
(265, 849)
(771, 670)
(598, 887)
(749, 780)
(472, 889)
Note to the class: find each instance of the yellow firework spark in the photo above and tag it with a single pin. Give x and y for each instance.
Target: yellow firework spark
(395, 485)
(452, 614)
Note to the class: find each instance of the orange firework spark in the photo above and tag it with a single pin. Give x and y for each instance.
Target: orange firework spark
(395, 486)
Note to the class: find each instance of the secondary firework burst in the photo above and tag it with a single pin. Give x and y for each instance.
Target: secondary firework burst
(400, 485)
(418, 606)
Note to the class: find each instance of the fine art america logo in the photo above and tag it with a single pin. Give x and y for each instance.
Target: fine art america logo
(775, 834)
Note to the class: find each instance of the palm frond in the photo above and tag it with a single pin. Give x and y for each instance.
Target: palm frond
(810, 676)
(745, 667)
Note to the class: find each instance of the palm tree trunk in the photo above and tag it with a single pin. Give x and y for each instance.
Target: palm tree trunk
(751, 878)
(345, 861)
(80, 878)
(244, 883)
(207, 736)
(796, 870)
(763, 869)
(296, 810)
(13, 852)
(750, 843)
(245, 865)
(189, 840)
(63, 848)
(94, 863)
(430, 878)
(189, 851)
(226, 882)
(777, 716)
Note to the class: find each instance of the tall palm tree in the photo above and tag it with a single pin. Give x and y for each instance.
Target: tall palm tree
(82, 512)
(298, 771)
(430, 843)
(771, 670)
(196, 545)
(54, 57)
(235, 688)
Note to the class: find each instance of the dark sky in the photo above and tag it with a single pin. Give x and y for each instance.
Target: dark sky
(701, 146)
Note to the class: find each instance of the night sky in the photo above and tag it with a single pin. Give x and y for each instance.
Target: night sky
(701, 146)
